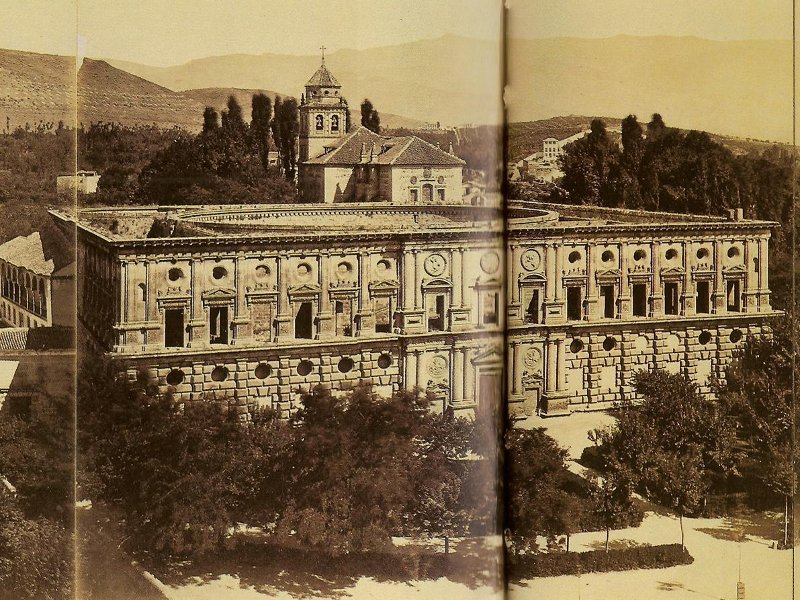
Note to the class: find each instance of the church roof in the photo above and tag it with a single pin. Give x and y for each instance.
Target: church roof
(385, 150)
(27, 252)
(323, 78)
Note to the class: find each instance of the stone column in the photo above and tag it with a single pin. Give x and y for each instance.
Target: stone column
(656, 293)
(590, 311)
(411, 370)
(284, 309)
(687, 291)
(559, 288)
(552, 366)
(366, 324)
(240, 317)
(718, 295)
(550, 273)
(409, 273)
(418, 372)
(763, 275)
(469, 378)
(466, 300)
(458, 376)
(458, 290)
(324, 316)
(418, 270)
(560, 365)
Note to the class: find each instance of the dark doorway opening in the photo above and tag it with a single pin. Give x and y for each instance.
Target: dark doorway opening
(574, 301)
(639, 300)
(304, 321)
(703, 297)
(173, 328)
(436, 313)
(607, 295)
(532, 311)
(218, 325)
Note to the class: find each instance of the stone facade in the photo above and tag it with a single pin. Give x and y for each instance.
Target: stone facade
(256, 303)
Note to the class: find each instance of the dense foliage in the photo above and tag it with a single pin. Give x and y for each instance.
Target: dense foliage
(673, 447)
(758, 392)
(36, 457)
(544, 499)
(343, 475)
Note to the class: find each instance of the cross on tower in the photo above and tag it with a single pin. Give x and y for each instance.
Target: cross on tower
(323, 52)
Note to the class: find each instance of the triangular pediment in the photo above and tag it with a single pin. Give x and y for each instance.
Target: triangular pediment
(388, 284)
(735, 269)
(305, 288)
(491, 355)
(609, 274)
(673, 271)
(219, 293)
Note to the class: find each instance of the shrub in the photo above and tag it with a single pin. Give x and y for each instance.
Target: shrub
(597, 561)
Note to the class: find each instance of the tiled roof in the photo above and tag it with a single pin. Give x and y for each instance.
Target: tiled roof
(37, 338)
(27, 252)
(407, 150)
(323, 78)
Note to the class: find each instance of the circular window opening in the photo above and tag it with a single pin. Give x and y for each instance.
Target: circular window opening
(345, 365)
(704, 337)
(344, 268)
(576, 346)
(175, 274)
(609, 344)
(607, 256)
(219, 374)
(304, 368)
(733, 252)
(736, 335)
(383, 265)
(671, 254)
(175, 377)
(263, 370)
(384, 361)
(219, 272)
(574, 256)
(262, 271)
(639, 255)
(702, 253)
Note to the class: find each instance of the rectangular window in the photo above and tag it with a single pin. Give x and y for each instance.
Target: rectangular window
(173, 328)
(734, 297)
(671, 304)
(383, 323)
(344, 317)
(533, 308)
(304, 321)
(703, 298)
(574, 302)
(608, 300)
(436, 313)
(414, 196)
(639, 299)
(218, 325)
(440, 195)
(490, 308)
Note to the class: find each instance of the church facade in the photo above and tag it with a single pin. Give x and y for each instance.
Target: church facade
(391, 277)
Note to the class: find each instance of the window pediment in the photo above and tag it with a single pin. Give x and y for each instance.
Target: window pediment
(218, 296)
(437, 283)
(491, 356)
(610, 275)
(673, 273)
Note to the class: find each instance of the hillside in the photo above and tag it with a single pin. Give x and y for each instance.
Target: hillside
(526, 138)
(736, 88)
(35, 88)
(452, 79)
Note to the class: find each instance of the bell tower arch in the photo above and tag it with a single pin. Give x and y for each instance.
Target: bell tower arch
(323, 113)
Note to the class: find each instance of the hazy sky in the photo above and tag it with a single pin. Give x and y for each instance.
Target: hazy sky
(712, 19)
(158, 32)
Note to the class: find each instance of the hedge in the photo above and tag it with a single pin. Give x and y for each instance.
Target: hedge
(597, 561)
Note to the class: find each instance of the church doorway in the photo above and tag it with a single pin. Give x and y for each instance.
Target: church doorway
(427, 194)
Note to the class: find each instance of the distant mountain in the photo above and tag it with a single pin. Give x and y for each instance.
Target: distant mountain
(739, 88)
(451, 79)
(35, 88)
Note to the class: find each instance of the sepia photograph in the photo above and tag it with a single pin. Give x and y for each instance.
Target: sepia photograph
(426, 299)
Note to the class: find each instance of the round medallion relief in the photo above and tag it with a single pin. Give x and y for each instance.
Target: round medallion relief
(490, 262)
(344, 268)
(437, 367)
(435, 264)
(533, 358)
(303, 271)
(530, 260)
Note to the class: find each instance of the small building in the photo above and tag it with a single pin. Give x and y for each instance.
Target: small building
(84, 182)
(36, 284)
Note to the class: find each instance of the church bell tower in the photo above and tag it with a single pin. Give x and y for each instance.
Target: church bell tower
(323, 113)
